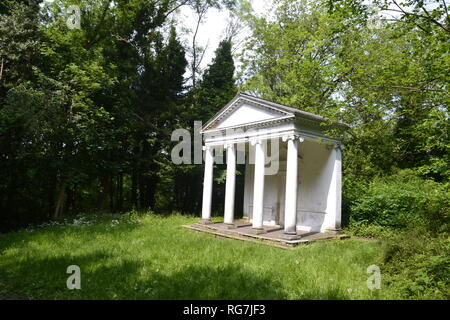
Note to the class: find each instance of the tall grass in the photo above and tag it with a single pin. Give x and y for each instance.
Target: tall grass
(153, 257)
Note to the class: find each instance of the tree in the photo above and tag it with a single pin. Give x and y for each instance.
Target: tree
(160, 92)
(82, 109)
(19, 45)
(388, 81)
(197, 52)
(216, 88)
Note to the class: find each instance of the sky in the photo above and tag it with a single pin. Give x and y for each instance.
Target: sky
(212, 29)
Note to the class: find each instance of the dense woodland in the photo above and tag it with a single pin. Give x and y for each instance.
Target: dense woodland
(86, 114)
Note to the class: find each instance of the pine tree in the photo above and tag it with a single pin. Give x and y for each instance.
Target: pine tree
(214, 91)
(217, 86)
(161, 86)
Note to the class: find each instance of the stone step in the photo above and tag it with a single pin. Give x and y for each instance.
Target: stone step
(238, 236)
(218, 229)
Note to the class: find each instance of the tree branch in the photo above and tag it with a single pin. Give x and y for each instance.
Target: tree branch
(445, 7)
(407, 88)
(200, 12)
(127, 41)
(185, 2)
(427, 17)
(96, 36)
(1, 70)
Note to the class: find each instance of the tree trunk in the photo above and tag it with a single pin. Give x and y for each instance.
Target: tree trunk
(103, 192)
(111, 193)
(1, 70)
(119, 201)
(134, 183)
(59, 207)
(51, 196)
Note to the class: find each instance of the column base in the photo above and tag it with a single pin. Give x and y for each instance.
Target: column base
(332, 229)
(258, 231)
(205, 221)
(230, 225)
(291, 236)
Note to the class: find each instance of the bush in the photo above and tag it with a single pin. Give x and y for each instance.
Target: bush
(411, 215)
(366, 230)
(417, 263)
(403, 200)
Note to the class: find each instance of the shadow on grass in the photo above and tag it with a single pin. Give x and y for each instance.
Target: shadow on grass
(105, 277)
(46, 278)
(107, 274)
(198, 282)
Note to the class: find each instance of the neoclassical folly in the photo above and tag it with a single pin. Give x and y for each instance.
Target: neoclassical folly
(292, 170)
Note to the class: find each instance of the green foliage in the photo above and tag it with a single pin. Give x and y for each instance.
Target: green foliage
(151, 256)
(368, 230)
(218, 84)
(86, 114)
(19, 46)
(214, 91)
(387, 81)
(417, 263)
(403, 200)
(295, 58)
(412, 216)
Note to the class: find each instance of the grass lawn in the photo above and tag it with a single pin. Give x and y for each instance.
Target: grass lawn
(154, 257)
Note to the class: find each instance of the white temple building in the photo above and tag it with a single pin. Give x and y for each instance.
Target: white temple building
(292, 169)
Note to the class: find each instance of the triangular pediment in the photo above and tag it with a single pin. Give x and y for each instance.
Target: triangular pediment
(246, 113)
(241, 112)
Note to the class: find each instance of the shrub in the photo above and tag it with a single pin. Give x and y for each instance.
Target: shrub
(417, 263)
(411, 215)
(366, 230)
(403, 200)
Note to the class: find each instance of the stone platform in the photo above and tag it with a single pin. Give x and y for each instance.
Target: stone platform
(273, 235)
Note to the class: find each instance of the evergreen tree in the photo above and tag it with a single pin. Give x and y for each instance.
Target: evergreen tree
(214, 91)
(159, 94)
(217, 87)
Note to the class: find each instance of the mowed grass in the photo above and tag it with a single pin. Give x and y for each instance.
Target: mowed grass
(153, 257)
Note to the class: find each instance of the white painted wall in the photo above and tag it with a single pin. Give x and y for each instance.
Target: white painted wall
(333, 217)
(314, 178)
(245, 114)
(319, 165)
(318, 207)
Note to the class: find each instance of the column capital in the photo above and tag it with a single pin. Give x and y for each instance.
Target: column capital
(206, 148)
(338, 145)
(255, 141)
(229, 145)
(293, 137)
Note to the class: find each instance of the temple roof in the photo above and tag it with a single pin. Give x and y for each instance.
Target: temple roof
(248, 110)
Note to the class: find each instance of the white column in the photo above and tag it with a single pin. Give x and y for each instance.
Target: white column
(207, 185)
(338, 175)
(230, 184)
(290, 213)
(258, 187)
(333, 217)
